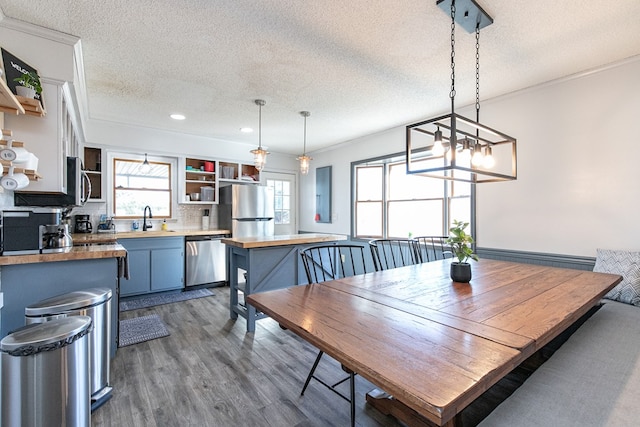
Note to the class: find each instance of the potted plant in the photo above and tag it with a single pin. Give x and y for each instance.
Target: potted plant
(28, 85)
(461, 247)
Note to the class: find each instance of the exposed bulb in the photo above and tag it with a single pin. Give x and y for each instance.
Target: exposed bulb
(465, 155)
(488, 161)
(477, 158)
(259, 158)
(304, 164)
(437, 150)
(145, 167)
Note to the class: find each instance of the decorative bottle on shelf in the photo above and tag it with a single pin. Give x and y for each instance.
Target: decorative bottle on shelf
(205, 220)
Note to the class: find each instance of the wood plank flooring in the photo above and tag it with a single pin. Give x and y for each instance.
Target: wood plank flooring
(210, 372)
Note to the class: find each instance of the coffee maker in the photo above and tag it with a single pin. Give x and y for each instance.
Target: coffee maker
(83, 224)
(33, 230)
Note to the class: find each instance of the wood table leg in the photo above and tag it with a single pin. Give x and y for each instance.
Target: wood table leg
(387, 405)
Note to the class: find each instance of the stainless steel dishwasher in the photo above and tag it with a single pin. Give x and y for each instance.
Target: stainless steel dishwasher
(205, 262)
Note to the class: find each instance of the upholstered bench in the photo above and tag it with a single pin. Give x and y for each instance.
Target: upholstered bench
(594, 378)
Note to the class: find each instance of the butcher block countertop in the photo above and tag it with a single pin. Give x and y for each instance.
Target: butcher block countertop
(82, 239)
(282, 240)
(70, 254)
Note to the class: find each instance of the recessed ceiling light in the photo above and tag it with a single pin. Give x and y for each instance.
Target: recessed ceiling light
(246, 130)
(178, 116)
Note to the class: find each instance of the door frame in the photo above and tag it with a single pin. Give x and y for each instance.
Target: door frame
(294, 207)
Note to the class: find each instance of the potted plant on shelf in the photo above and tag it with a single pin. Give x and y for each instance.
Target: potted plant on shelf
(28, 85)
(461, 247)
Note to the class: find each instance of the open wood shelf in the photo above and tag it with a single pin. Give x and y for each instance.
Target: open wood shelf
(32, 107)
(12, 104)
(31, 174)
(8, 101)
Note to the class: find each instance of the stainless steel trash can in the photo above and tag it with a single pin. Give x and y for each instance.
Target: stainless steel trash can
(95, 303)
(45, 374)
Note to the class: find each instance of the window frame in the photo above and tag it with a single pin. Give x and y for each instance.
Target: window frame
(282, 197)
(386, 162)
(112, 156)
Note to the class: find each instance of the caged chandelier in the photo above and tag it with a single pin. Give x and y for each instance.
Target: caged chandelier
(467, 150)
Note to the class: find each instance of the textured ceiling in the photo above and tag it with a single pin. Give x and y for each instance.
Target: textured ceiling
(359, 66)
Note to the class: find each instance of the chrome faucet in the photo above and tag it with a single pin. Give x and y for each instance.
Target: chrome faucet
(144, 218)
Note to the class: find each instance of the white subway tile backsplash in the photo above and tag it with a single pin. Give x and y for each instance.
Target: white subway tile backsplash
(185, 217)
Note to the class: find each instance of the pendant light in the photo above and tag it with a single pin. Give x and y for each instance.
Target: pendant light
(259, 154)
(438, 148)
(145, 167)
(475, 152)
(304, 159)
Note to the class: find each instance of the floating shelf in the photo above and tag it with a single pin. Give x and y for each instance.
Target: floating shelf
(31, 174)
(32, 107)
(8, 101)
(16, 144)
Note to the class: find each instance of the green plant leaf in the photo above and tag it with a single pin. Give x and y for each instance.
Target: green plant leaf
(461, 242)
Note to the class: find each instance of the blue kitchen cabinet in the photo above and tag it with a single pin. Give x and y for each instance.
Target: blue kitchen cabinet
(139, 272)
(155, 264)
(167, 268)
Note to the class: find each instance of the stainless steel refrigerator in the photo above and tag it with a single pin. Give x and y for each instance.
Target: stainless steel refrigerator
(247, 210)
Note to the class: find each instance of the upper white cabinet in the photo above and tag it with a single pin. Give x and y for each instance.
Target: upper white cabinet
(45, 139)
(56, 135)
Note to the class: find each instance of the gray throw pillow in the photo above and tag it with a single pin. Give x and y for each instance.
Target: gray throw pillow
(626, 264)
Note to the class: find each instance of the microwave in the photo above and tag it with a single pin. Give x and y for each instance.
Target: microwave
(78, 190)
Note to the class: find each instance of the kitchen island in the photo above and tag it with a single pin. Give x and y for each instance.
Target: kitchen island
(27, 279)
(268, 262)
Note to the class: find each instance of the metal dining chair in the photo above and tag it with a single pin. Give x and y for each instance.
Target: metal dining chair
(393, 253)
(433, 248)
(329, 262)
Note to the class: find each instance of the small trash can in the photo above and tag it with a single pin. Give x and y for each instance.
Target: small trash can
(95, 303)
(45, 374)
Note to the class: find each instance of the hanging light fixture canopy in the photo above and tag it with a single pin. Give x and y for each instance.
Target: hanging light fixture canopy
(259, 154)
(467, 150)
(145, 167)
(304, 159)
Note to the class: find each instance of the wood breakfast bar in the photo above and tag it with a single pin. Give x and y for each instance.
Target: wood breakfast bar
(431, 344)
(270, 262)
(27, 279)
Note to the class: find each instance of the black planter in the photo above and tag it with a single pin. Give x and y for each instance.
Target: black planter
(461, 272)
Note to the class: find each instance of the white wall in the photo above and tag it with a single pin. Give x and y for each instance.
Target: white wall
(578, 152)
(140, 140)
(51, 54)
(379, 144)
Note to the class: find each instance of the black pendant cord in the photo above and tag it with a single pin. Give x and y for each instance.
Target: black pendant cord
(304, 148)
(478, 80)
(452, 94)
(259, 126)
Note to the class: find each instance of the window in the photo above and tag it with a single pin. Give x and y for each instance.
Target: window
(133, 190)
(388, 203)
(282, 200)
(369, 201)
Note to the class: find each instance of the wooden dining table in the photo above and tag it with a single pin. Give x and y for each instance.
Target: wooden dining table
(431, 344)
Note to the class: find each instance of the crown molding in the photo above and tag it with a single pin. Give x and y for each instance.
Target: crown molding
(38, 31)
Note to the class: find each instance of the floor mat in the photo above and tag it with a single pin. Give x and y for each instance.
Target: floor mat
(153, 300)
(141, 329)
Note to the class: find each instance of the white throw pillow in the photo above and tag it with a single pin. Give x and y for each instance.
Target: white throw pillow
(626, 264)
